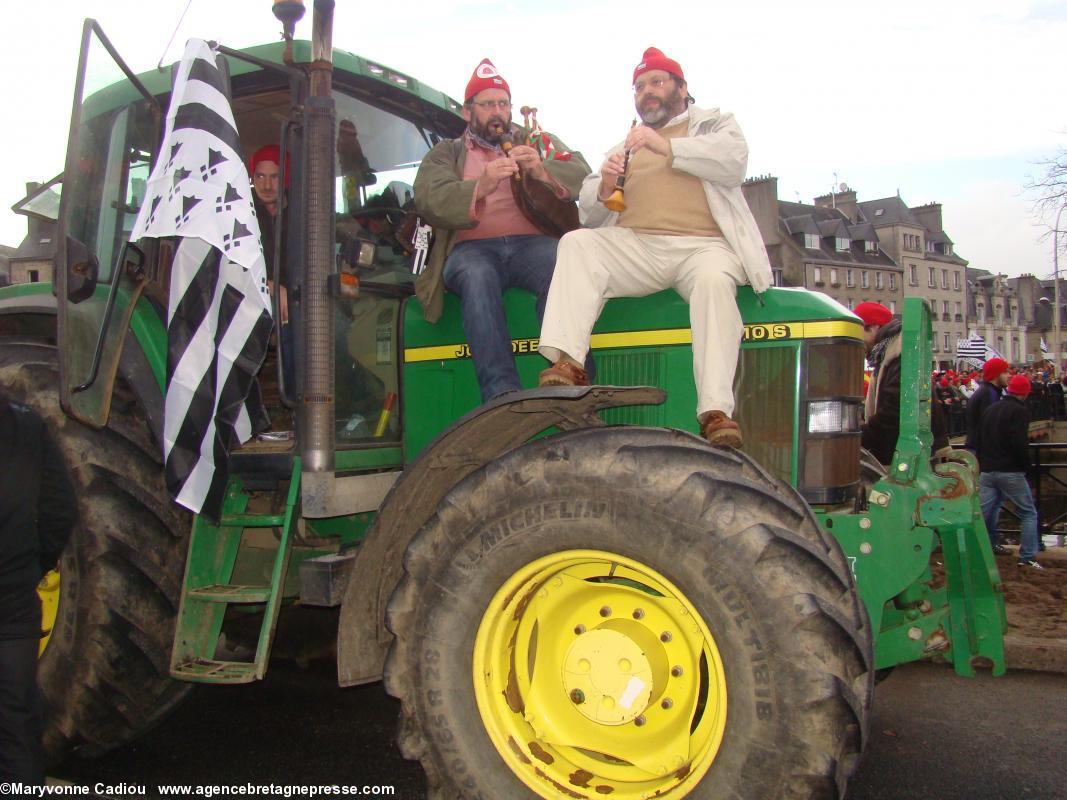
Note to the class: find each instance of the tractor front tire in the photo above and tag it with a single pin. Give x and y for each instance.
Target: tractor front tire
(104, 672)
(628, 612)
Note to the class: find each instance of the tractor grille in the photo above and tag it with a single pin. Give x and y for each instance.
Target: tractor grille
(632, 369)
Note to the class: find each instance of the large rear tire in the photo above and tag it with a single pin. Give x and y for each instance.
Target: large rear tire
(628, 612)
(104, 672)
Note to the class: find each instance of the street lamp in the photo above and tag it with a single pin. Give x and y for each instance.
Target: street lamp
(1056, 364)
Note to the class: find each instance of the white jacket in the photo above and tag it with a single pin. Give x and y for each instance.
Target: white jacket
(716, 152)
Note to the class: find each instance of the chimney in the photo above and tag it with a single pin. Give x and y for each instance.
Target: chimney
(761, 194)
(929, 216)
(844, 201)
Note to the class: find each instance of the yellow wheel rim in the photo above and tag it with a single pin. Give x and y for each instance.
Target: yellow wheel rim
(594, 674)
(48, 591)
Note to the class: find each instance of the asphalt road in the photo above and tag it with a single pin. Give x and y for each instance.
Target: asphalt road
(933, 735)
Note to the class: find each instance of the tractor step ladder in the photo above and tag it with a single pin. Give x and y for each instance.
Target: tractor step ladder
(207, 591)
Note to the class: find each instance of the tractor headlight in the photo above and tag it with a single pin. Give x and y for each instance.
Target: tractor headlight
(833, 416)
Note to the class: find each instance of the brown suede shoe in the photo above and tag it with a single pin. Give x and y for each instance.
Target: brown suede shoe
(564, 372)
(720, 430)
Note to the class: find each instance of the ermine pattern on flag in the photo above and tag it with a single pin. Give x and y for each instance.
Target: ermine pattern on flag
(219, 322)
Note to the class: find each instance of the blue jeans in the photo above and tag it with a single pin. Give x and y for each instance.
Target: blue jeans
(994, 489)
(479, 271)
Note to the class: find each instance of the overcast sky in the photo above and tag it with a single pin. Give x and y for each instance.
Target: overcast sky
(940, 100)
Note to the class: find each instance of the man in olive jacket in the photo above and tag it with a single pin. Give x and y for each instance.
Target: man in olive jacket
(483, 244)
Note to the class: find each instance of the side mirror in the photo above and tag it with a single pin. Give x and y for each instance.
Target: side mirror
(83, 271)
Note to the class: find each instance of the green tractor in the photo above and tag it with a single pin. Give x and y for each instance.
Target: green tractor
(571, 593)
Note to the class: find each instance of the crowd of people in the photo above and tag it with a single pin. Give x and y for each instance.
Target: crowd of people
(954, 389)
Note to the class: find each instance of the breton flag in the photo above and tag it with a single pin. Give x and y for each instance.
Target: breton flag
(219, 318)
(972, 349)
(1044, 347)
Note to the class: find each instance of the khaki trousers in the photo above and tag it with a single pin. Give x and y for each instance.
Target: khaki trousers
(594, 265)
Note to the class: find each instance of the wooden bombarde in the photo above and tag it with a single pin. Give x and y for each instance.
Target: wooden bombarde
(616, 201)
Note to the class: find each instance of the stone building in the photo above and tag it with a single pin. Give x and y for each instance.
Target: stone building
(915, 239)
(1015, 315)
(32, 260)
(822, 249)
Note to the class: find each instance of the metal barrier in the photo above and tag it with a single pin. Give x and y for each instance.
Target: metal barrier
(1051, 506)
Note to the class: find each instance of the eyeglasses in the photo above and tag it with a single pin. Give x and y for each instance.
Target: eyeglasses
(655, 83)
(503, 105)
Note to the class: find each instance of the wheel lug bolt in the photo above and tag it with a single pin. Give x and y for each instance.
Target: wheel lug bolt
(640, 720)
(667, 703)
(579, 630)
(639, 614)
(676, 672)
(605, 611)
(665, 636)
(577, 696)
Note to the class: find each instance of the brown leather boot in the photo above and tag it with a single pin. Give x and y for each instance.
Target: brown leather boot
(720, 430)
(565, 372)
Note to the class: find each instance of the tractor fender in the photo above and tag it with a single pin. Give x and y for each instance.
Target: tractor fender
(474, 440)
(134, 366)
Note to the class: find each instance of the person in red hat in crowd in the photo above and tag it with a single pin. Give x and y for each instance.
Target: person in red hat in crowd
(995, 376)
(881, 426)
(483, 242)
(685, 226)
(1004, 456)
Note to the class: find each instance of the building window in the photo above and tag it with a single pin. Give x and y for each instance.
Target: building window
(816, 275)
(944, 279)
(956, 280)
(981, 312)
(870, 247)
(932, 281)
(842, 245)
(833, 277)
(850, 303)
(929, 246)
(877, 280)
(934, 347)
(946, 343)
(811, 241)
(777, 273)
(912, 277)
(893, 306)
(850, 279)
(944, 307)
(948, 249)
(33, 275)
(998, 315)
(892, 281)
(864, 281)
(959, 311)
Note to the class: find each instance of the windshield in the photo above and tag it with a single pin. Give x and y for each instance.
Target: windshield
(378, 155)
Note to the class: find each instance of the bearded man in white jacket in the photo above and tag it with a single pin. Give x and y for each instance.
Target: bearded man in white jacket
(686, 226)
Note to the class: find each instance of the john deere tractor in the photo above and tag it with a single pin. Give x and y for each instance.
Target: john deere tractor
(571, 593)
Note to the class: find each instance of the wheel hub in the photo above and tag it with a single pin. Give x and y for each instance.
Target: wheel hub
(607, 676)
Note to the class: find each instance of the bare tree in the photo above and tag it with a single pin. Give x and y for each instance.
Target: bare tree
(1049, 191)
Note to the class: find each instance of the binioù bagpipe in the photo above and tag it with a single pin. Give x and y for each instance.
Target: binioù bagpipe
(538, 202)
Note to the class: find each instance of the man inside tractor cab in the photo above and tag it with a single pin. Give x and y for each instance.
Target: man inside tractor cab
(881, 426)
(483, 242)
(268, 199)
(685, 224)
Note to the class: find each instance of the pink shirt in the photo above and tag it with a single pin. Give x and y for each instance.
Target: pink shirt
(497, 214)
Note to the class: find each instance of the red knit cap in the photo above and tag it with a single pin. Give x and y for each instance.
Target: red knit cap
(485, 77)
(654, 59)
(993, 369)
(873, 313)
(1019, 386)
(268, 152)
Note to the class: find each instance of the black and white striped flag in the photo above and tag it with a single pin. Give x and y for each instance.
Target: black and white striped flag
(219, 318)
(972, 348)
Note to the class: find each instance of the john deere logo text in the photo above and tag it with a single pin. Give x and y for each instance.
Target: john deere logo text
(517, 346)
(766, 333)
